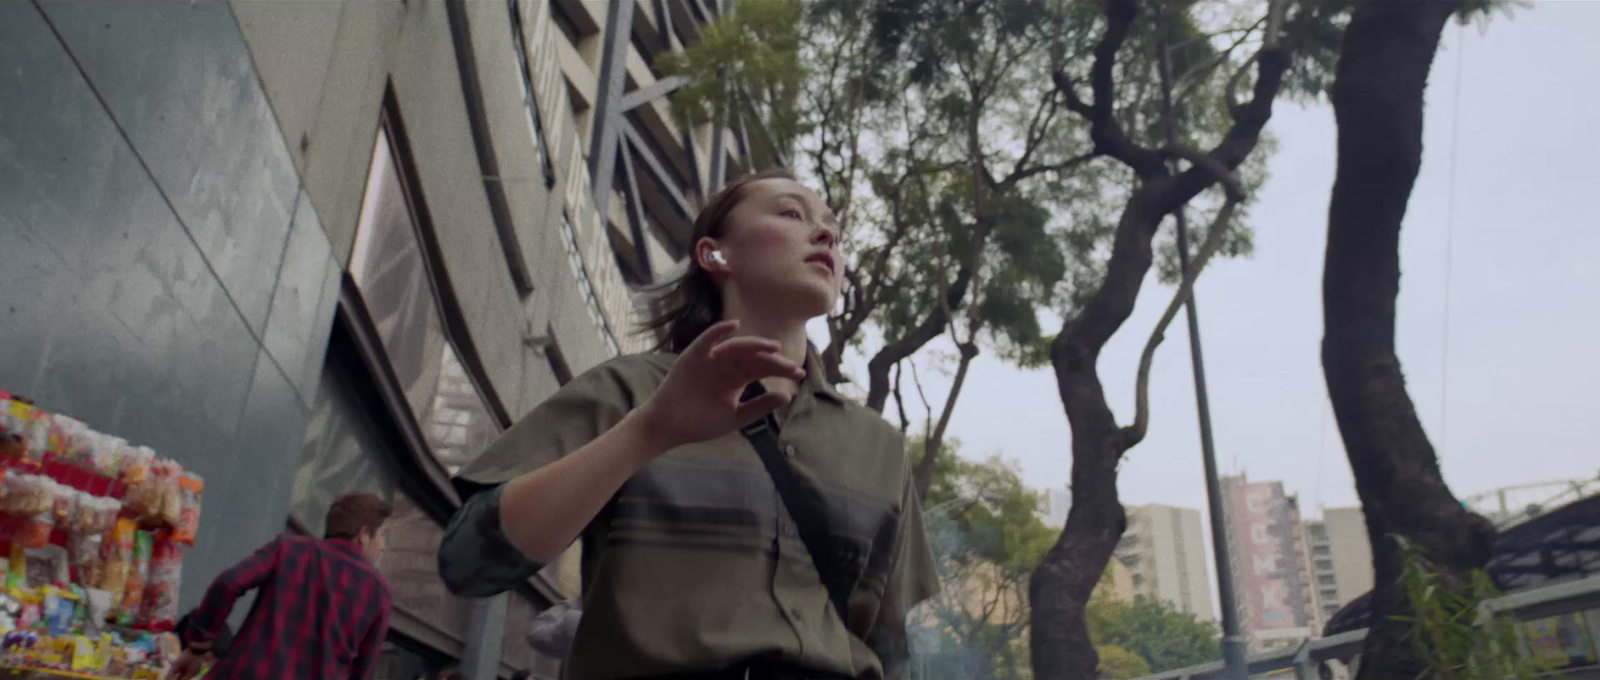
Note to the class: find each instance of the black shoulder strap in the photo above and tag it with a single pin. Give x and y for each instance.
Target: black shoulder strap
(805, 505)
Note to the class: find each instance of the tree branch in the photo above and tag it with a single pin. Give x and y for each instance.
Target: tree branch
(1135, 433)
(1023, 173)
(900, 401)
(1219, 172)
(1230, 94)
(1109, 138)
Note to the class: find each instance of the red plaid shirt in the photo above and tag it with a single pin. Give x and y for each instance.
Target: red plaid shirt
(321, 613)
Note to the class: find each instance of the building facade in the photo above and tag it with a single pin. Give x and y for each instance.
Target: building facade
(1268, 553)
(1340, 557)
(1163, 550)
(306, 248)
(1053, 507)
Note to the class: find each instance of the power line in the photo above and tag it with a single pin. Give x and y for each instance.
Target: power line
(1449, 244)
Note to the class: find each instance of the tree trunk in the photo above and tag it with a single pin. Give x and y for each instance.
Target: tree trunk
(1378, 105)
(1060, 587)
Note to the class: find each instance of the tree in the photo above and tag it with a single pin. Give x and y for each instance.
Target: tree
(1378, 106)
(1163, 636)
(927, 129)
(1118, 663)
(1149, 138)
(986, 539)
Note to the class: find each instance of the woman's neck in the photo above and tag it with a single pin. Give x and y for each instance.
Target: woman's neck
(789, 333)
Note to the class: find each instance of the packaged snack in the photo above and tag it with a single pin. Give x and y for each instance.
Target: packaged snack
(84, 653)
(166, 475)
(45, 565)
(118, 554)
(161, 592)
(138, 575)
(100, 609)
(144, 497)
(64, 503)
(190, 487)
(108, 455)
(135, 464)
(27, 495)
(58, 607)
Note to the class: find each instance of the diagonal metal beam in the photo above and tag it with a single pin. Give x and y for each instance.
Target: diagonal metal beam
(644, 95)
(608, 120)
(657, 170)
(636, 219)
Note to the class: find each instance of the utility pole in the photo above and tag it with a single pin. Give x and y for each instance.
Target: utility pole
(1233, 646)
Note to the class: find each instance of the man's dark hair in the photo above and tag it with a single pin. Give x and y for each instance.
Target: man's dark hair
(522, 675)
(353, 512)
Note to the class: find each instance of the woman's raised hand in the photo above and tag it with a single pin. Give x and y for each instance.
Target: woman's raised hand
(699, 399)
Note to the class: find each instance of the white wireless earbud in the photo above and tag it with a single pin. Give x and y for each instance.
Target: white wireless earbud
(717, 257)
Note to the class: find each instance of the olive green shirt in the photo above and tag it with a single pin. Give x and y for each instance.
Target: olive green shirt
(695, 565)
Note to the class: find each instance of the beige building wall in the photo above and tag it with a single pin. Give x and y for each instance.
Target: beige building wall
(1164, 552)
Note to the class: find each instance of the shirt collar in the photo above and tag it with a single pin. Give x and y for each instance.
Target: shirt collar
(817, 376)
(346, 545)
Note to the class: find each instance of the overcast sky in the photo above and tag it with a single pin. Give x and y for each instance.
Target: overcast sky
(1508, 396)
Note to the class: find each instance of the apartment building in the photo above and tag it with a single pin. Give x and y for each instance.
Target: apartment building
(1269, 558)
(1053, 507)
(1340, 558)
(306, 248)
(1163, 550)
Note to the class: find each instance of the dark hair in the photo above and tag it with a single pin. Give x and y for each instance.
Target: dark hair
(685, 307)
(353, 512)
(522, 675)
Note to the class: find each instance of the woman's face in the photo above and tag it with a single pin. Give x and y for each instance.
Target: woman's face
(781, 245)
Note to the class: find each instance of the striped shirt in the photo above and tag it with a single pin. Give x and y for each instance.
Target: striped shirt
(695, 565)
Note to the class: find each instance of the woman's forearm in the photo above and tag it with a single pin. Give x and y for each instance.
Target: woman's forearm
(544, 511)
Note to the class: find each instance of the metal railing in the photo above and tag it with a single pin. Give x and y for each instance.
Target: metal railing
(1343, 650)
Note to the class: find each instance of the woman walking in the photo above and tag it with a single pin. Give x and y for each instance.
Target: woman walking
(790, 549)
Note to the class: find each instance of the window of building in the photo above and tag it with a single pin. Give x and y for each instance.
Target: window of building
(1326, 580)
(1325, 565)
(1319, 532)
(1321, 551)
(391, 268)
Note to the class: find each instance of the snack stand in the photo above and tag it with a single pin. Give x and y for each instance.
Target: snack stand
(92, 534)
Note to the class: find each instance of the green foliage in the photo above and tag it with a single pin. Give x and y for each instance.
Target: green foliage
(986, 539)
(1117, 663)
(747, 63)
(1162, 635)
(1444, 626)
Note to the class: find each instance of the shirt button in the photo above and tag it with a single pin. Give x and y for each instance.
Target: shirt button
(788, 531)
(789, 450)
(795, 612)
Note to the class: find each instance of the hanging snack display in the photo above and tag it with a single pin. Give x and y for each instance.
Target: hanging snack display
(92, 533)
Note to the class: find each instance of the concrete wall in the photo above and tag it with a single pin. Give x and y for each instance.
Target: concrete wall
(165, 276)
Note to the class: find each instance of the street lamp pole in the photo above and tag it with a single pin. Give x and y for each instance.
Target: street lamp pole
(1233, 646)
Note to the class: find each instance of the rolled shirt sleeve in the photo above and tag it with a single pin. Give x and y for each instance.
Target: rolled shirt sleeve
(476, 557)
(913, 579)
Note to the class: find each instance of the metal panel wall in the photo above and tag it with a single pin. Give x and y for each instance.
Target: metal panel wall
(163, 277)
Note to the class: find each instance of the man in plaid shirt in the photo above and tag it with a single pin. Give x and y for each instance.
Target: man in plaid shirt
(321, 610)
